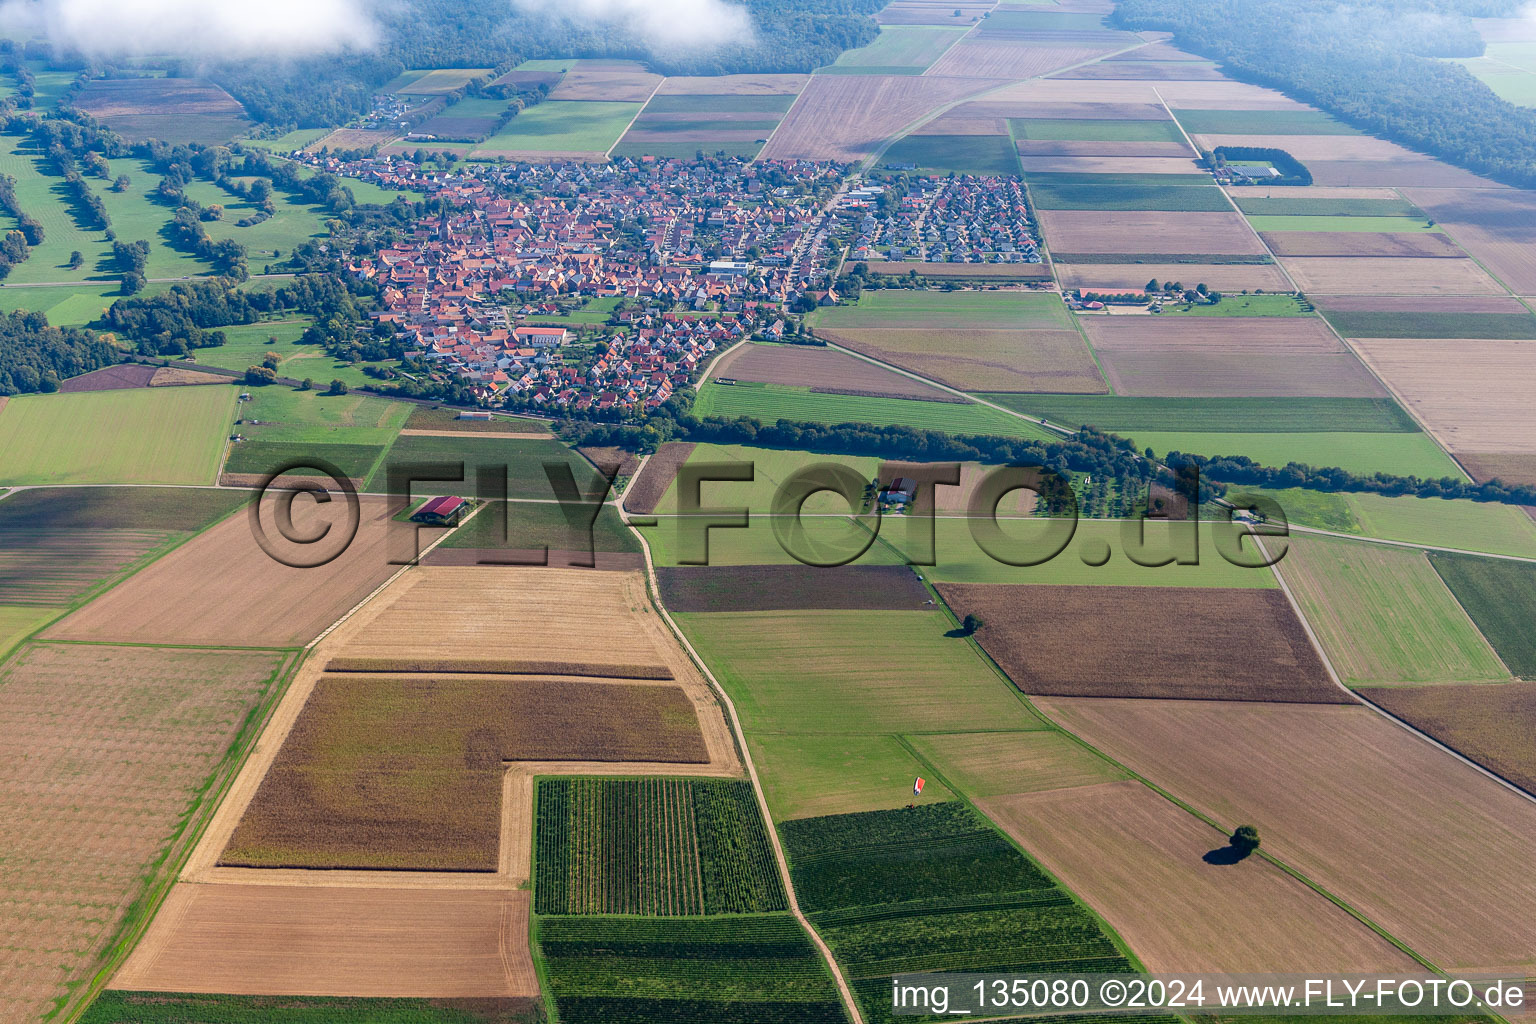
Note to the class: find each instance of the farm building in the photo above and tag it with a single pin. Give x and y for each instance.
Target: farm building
(443, 511)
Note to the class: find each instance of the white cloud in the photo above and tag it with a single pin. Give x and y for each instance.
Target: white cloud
(195, 28)
(662, 24)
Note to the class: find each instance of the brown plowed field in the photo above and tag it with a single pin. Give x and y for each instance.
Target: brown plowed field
(1491, 724)
(1096, 231)
(1186, 643)
(647, 489)
(976, 57)
(107, 749)
(735, 85)
(1117, 165)
(110, 378)
(1038, 361)
(1497, 228)
(221, 588)
(1363, 275)
(1034, 148)
(822, 369)
(766, 588)
(287, 940)
(1407, 244)
(610, 86)
(1426, 847)
(848, 117)
(1138, 859)
(176, 377)
(1474, 396)
(1511, 467)
(1242, 356)
(1228, 277)
(405, 772)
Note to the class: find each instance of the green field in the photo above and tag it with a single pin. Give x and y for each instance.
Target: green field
(1239, 305)
(1261, 122)
(429, 82)
(936, 888)
(116, 1007)
(1515, 84)
(1434, 522)
(18, 621)
(657, 847)
(1084, 196)
(1262, 206)
(293, 140)
(726, 970)
(246, 345)
(542, 524)
(1357, 324)
(898, 50)
(139, 436)
(1383, 615)
(1049, 129)
(563, 126)
(521, 461)
(313, 417)
(1112, 180)
(1118, 414)
(1400, 454)
(73, 306)
(1498, 595)
(772, 402)
(962, 560)
(289, 227)
(1345, 223)
(770, 468)
(808, 774)
(824, 539)
(261, 458)
(957, 310)
(962, 154)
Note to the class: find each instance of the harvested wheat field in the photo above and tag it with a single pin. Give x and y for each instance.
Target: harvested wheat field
(823, 370)
(848, 117)
(1227, 95)
(1398, 244)
(1186, 643)
(309, 940)
(1492, 725)
(980, 57)
(221, 588)
(1225, 277)
(1145, 71)
(1511, 467)
(734, 85)
(983, 360)
(391, 772)
(1094, 231)
(1425, 846)
(1140, 861)
(1473, 395)
(1364, 275)
(1236, 357)
(1497, 227)
(606, 86)
(108, 750)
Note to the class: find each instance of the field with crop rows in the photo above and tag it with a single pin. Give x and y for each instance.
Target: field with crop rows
(658, 846)
(114, 1007)
(935, 888)
(1498, 595)
(729, 970)
(772, 402)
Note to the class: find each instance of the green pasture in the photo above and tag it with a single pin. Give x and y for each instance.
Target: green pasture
(1369, 324)
(19, 621)
(70, 306)
(246, 345)
(288, 228)
(312, 417)
(1055, 129)
(521, 461)
(137, 436)
(961, 154)
(1261, 122)
(772, 402)
(563, 126)
(807, 774)
(900, 49)
(1238, 305)
(433, 82)
(1126, 415)
(288, 143)
(1398, 453)
(771, 467)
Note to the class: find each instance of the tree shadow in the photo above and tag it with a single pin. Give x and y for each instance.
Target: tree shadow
(958, 633)
(1227, 855)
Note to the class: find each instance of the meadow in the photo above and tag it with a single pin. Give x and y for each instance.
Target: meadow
(1436, 522)
(562, 126)
(961, 154)
(285, 415)
(771, 402)
(1497, 594)
(1121, 414)
(142, 436)
(246, 345)
(1383, 615)
(523, 463)
(897, 50)
(1399, 453)
(1237, 305)
(771, 467)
